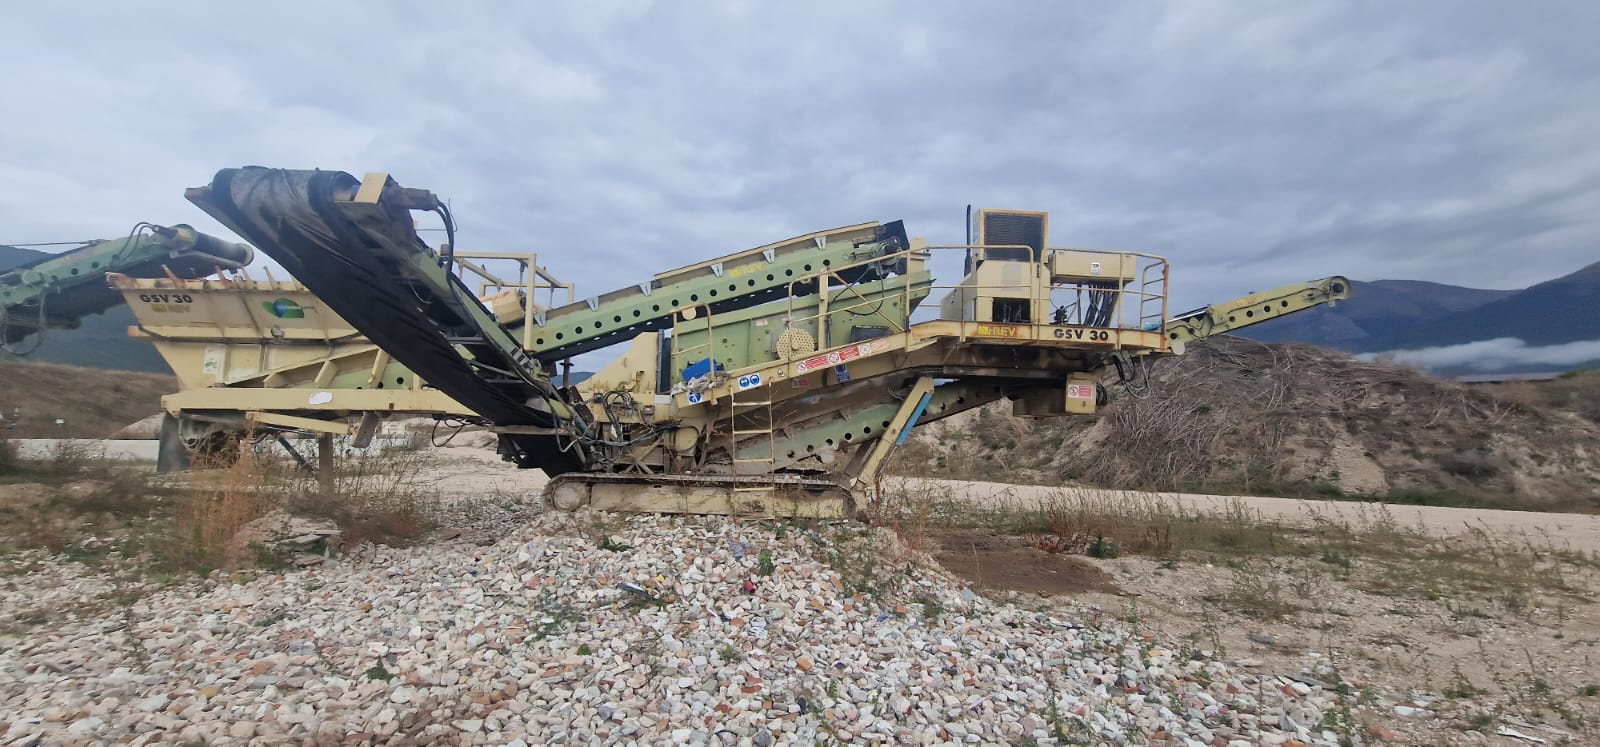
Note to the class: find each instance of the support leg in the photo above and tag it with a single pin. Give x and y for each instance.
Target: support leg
(325, 464)
(899, 427)
(171, 454)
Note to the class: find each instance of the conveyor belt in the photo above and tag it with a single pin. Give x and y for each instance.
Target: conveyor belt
(358, 265)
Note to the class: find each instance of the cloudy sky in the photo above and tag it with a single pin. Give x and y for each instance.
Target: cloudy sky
(1252, 143)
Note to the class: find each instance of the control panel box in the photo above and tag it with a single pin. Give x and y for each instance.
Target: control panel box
(1067, 266)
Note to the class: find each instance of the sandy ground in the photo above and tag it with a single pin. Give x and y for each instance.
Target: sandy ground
(1574, 531)
(468, 472)
(1470, 662)
(1440, 661)
(90, 448)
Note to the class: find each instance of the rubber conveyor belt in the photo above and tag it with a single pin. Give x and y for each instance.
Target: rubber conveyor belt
(359, 268)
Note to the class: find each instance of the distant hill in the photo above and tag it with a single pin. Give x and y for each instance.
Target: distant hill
(16, 256)
(92, 403)
(1377, 313)
(1396, 315)
(100, 341)
(1566, 309)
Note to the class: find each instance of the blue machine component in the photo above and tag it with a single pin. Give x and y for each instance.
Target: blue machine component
(699, 368)
(915, 416)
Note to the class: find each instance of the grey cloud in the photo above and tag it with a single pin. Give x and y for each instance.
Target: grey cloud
(1253, 143)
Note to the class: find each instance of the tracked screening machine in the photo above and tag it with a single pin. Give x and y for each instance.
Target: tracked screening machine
(771, 381)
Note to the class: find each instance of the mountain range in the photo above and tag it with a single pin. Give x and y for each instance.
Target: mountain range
(1556, 324)
(1444, 328)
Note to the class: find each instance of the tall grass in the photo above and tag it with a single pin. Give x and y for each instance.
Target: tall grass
(191, 522)
(73, 501)
(1068, 520)
(381, 495)
(220, 501)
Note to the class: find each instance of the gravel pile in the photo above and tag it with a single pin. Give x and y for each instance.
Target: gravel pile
(589, 628)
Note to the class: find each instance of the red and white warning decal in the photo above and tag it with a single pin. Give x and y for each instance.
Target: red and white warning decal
(834, 358)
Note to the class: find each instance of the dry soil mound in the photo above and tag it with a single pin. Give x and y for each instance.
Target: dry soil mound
(1240, 416)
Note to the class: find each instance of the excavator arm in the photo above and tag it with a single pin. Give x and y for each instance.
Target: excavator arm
(1221, 318)
(60, 289)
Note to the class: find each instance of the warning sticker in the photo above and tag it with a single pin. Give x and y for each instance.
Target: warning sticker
(834, 358)
(1080, 391)
(212, 362)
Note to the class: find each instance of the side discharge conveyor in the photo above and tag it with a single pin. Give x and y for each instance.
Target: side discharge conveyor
(1255, 308)
(353, 244)
(772, 381)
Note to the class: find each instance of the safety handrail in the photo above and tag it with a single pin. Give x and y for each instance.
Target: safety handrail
(531, 279)
(700, 312)
(1140, 303)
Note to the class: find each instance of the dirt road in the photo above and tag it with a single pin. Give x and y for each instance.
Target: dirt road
(479, 472)
(1578, 532)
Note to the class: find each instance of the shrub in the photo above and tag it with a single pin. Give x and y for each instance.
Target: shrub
(220, 503)
(381, 495)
